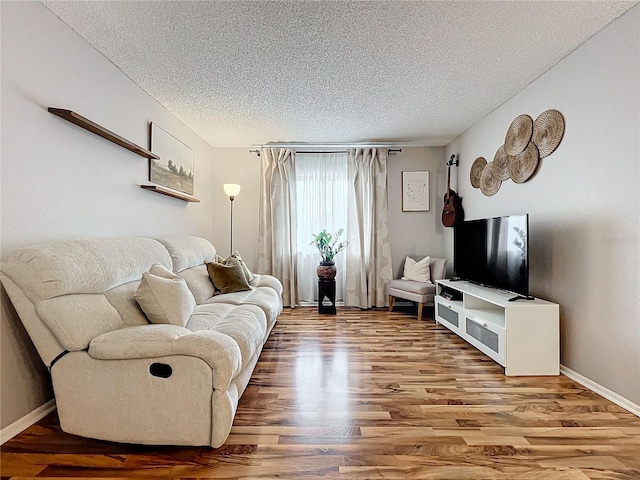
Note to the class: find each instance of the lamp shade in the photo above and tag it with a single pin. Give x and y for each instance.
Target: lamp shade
(231, 189)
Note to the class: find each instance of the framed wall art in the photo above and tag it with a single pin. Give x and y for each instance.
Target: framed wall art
(415, 191)
(174, 169)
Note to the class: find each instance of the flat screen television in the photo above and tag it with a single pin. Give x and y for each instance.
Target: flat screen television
(494, 252)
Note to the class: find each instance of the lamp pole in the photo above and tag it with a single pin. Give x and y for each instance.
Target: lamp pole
(231, 239)
(231, 189)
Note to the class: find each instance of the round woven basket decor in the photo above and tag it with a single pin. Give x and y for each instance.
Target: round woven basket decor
(519, 135)
(489, 184)
(476, 171)
(548, 130)
(524, 165)
(501, 163)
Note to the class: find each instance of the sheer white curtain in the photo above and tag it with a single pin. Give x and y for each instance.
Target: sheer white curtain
(369, 251)
(277, 244)
(321, 194)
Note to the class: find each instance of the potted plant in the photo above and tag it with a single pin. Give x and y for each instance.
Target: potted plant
(328, 246)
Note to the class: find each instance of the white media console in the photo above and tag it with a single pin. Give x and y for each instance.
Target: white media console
(523, 336)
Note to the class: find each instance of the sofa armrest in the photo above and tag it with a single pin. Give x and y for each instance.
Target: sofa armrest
(267, 281)
(218, 350)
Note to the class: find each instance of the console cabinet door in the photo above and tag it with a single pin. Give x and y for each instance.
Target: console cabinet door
(449, 315)
(486, 337)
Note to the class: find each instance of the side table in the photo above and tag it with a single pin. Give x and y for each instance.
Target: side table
(327, 288)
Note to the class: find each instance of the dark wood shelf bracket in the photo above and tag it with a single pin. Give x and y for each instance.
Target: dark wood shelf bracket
(170, 193)
(93, 127)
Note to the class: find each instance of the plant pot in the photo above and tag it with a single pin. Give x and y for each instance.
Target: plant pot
(326, 271)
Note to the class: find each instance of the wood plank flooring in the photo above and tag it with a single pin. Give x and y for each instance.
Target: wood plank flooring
(368, 395)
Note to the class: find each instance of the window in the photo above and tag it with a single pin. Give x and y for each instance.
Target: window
(321, 203)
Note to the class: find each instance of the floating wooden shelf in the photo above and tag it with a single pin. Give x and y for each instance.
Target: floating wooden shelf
(87, 124)
(170, 193)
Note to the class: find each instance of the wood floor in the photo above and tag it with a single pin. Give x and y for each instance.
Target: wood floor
(367, 395)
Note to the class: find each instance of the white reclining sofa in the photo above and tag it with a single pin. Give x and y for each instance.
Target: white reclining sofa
(116, 376)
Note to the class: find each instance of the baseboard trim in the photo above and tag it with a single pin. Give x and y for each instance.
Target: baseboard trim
(10, 431)
(602, 391)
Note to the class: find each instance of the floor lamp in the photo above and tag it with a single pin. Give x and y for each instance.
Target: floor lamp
(231, 189)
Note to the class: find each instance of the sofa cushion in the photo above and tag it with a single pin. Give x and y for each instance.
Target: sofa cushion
(420, 288)
(188, 252)
(246, 324)
(417, 271)
(164, 297)
(204, 318)
(82, 266)
(227, 277)
(122, 300)
(265, 298)
(75, 320)
(199, 282)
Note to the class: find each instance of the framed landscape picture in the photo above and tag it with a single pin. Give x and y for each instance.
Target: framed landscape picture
(415, 191)
(174, 169)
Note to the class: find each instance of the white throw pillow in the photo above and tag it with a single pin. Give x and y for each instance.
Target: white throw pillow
(418, 271)
(247, 273)
(164, 297)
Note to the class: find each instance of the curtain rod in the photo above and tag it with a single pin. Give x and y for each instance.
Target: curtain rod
(391, 151)
(316, 146)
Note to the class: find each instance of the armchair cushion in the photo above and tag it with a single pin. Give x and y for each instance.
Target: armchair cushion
(417, 271)
(420, 292)
(438, 268)
(419, 288)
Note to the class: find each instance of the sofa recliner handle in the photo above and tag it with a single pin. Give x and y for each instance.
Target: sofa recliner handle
(161, 370)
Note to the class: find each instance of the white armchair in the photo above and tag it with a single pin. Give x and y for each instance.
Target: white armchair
(420, 292)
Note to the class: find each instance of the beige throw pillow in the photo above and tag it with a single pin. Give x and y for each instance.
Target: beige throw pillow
(247, 273)
(418, 271)
(227, 277)
(164, 297)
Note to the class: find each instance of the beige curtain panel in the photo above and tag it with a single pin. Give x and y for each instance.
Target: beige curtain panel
(277, 243)
(369, 252)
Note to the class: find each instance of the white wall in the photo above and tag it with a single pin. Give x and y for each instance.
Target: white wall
(237, 165)
(60, 181)
(583, 203)
(416, 234)
(411, 233)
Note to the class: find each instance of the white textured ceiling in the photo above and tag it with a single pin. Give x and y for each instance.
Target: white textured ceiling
(250, 72)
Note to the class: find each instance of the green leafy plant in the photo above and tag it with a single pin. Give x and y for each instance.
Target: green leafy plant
(328, 244)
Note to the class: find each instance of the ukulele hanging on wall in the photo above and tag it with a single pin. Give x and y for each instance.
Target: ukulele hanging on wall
(452, 213)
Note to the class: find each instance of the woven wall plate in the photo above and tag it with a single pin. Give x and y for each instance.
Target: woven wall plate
(523, 166)
(519, 135)
(476, 171)
(489, 184)
(501, 163)
(548, 130)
